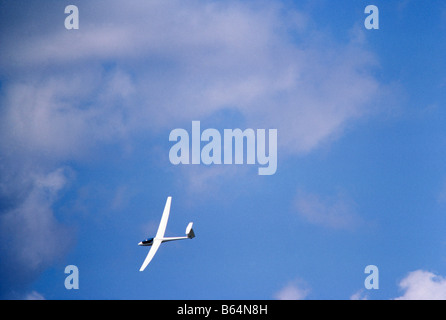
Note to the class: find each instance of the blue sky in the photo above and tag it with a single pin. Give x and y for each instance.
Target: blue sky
(85, 117)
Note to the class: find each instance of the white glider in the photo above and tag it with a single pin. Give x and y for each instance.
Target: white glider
(159, 237)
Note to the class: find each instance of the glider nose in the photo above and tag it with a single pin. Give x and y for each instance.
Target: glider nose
(140, 243)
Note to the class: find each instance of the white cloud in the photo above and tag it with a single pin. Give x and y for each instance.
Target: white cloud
(336, 212)
(423, 285)
(292, 291)
(46, 120)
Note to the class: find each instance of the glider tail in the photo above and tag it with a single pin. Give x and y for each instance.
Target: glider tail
(189, 231)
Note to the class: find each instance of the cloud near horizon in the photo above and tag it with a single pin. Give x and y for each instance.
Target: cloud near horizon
(294, 290)
(423, 285)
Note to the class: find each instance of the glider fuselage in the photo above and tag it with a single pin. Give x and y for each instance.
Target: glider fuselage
(146, 243)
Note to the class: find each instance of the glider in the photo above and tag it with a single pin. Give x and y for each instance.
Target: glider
(159, 237)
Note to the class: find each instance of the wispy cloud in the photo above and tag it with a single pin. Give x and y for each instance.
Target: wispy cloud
(337, 212)
(30, 235)
(178, 61)
(34, 295)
